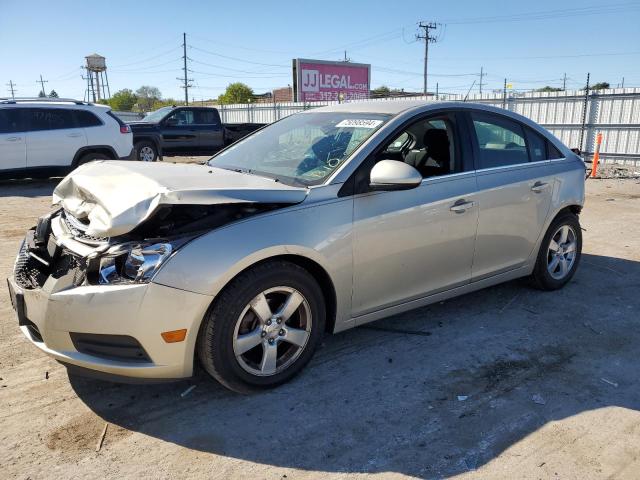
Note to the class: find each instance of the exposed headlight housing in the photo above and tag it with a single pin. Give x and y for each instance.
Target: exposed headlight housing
(133, 263)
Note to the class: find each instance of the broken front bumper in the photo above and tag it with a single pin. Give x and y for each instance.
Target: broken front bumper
(114, 329)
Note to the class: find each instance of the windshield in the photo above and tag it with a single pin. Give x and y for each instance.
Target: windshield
(301, 149)
(155, 117)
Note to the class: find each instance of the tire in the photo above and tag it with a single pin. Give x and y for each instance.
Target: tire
(547, 277)
(146, 151)
(232, 318)
(90, 157)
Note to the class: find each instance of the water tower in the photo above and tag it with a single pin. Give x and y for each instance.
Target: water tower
(97, 80)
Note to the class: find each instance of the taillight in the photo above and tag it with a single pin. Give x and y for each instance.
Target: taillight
(125, 129)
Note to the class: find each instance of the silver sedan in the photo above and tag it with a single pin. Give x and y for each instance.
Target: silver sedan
(318, 223)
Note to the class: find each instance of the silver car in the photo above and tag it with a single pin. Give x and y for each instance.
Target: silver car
(318, 223)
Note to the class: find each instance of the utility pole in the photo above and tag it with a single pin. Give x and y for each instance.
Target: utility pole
(186, 80)
(504, 94)
(482, 74)
(42, 82)
(622, 86)
(11, 86)
(564, 82)
(584, 113)
(426, 36)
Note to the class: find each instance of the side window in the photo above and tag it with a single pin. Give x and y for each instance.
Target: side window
(86, 119)
(537, 146)
(501, 141)
(206, 117)
(183, 117)
(48, 119)
(428, 145)
(553, 152)
(9, 120)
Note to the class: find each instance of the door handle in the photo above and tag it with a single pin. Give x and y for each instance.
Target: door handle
(74, 135)
(13, 139)
(539, 187)
(461, 206)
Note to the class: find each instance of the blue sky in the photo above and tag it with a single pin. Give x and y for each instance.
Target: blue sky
(532, 44)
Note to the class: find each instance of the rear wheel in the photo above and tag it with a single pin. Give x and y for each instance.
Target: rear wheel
(90, 157)
(146, 151)
(264, 327)
(559, 253)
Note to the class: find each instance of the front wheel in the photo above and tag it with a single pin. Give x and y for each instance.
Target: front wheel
(146, 152)
(559, 254)
(263, 328)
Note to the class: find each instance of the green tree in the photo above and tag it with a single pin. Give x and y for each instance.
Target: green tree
(41, 94)
(549, 89)
(123, 100)
(53, 94)
(600, 86)
(147, 96)
(236, 93)
(381, 91)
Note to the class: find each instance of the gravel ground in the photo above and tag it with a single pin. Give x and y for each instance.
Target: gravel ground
(508, 382)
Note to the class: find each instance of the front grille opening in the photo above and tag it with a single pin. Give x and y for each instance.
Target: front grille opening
(111, 347)
(34, 331)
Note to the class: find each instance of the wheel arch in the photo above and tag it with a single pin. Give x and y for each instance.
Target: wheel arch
(317, 271)
(148, 138)
(103, 149)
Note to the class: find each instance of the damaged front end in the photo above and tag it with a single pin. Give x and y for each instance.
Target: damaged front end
(60, 248)
(119, 222)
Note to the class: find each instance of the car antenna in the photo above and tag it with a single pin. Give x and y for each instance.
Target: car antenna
(467, 95)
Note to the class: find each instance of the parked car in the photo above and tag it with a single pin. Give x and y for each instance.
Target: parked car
(185, 130)
(53, 136)
(321, 222)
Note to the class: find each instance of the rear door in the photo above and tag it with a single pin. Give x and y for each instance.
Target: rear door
(179, 132)
(514, 193)
(53, 137)
(209, 126)
(13, 146)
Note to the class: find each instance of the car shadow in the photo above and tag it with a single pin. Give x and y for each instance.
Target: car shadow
(28, 187)
(434, 392)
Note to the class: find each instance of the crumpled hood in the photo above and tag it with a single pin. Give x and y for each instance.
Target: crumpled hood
(116, 196)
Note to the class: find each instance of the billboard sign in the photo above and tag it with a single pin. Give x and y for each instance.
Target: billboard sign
(319, 80)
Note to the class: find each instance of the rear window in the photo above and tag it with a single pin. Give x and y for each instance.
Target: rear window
(48, 119)
(207, 117)
(553, 152)
(87, 119)
(501, 141)
(537, 146)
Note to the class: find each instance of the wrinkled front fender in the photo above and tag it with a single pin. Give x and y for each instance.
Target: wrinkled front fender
(321, 233)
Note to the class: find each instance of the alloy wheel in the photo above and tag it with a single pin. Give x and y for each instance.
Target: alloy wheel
(146, 154)
(272, 331)
(562, 252)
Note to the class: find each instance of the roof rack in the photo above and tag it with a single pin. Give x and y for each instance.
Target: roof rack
(44, 100)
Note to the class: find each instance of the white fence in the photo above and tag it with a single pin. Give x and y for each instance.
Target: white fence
(572, 116)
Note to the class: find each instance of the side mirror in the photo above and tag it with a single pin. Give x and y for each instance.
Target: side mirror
(394, 175)
(171, 122)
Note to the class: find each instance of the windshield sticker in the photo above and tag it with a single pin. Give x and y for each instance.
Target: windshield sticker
(359, 123)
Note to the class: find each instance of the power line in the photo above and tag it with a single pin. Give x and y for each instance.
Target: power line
(426, 36)
(548, 14)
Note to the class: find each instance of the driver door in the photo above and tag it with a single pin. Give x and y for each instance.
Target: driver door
(413, 243)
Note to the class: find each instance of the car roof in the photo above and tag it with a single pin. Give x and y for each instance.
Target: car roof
(389, 107)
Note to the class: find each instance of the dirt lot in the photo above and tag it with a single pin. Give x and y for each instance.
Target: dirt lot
(551, 381)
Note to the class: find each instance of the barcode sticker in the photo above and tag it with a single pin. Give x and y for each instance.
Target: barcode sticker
(359, 123)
